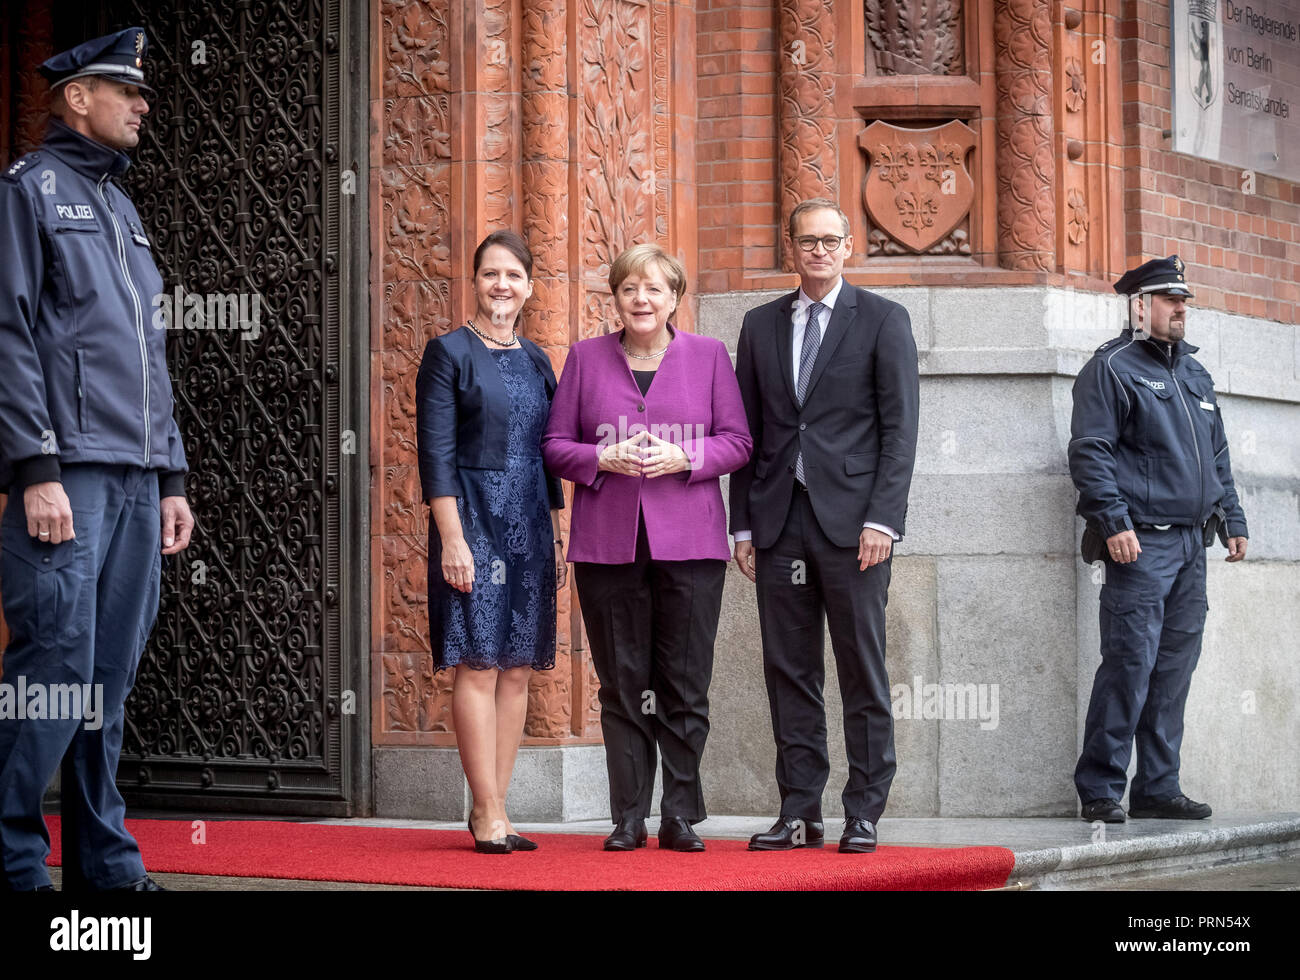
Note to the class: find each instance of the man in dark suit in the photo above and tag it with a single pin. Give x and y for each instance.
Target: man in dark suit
(828, 375)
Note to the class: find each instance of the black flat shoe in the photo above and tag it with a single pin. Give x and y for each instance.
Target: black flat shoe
(521, 843)
(676, 834)
(500, 845)
(788, 833)
(1105, 810)
(628, 835)
(1177, 808)
(859, 837)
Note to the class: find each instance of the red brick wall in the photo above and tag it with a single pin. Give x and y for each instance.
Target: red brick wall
(1242, 250)
(736, 148)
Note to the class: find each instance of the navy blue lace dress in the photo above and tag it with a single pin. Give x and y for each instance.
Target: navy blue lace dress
(508, 618)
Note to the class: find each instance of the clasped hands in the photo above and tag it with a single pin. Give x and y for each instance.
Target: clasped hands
(643, 455)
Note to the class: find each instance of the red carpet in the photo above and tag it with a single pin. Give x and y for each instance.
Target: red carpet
(563, 862)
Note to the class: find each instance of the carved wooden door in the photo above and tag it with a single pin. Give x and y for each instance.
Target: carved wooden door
(251, 694)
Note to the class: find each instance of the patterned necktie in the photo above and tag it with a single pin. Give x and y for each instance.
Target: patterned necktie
(812, 341)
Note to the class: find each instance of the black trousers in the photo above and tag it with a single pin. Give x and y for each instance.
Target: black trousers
(652, 625)
(801, 577)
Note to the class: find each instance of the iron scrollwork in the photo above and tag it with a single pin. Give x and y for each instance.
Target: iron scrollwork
(239, 687)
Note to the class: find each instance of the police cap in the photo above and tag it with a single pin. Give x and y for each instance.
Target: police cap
(119, 57)
(1156, 276)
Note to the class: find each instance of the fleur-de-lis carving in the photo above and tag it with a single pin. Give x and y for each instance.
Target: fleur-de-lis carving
(894, 161)
(917, 210)
(937, 160)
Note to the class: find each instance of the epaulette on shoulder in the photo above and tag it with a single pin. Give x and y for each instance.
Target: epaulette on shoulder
(1106, 346)
(20, 167)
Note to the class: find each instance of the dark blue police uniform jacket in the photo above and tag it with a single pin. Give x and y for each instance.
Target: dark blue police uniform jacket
(85, 369)
(1147, 439)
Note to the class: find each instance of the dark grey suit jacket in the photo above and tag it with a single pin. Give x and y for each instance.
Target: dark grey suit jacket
(856, 427)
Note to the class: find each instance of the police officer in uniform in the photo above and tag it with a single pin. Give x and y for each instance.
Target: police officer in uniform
(91, 459)
(1149, 457)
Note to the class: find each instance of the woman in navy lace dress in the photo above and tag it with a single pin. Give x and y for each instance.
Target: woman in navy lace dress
(483, 394)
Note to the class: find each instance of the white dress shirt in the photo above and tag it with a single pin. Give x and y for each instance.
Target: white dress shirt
(799, 320)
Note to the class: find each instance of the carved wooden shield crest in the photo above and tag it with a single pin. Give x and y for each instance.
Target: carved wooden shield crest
(917, 188)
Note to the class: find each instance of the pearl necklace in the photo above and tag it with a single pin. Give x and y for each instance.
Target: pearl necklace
(642, 357)
(514, 338)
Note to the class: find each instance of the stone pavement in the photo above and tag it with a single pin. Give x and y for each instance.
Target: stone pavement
(1274, 875)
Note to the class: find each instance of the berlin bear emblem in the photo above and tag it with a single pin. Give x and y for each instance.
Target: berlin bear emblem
(1203, 34)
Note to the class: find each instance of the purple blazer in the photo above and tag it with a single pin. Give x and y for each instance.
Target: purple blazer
(694, 402)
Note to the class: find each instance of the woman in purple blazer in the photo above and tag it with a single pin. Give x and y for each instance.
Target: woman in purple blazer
(644, 422)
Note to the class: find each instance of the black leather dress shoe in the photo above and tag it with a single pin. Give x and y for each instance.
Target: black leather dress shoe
(859, 837)
(1105, 810)
(676, 834)
(1178, 808)
(521, 843)
(145, 884)
(787, 834)
(628, 835)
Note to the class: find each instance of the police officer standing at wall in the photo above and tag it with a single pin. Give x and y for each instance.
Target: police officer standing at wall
(1149, 457)
(90, 456)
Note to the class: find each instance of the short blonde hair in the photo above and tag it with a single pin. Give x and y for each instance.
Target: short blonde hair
(637, 259)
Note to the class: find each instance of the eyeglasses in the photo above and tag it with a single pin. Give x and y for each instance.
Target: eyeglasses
(809, 242)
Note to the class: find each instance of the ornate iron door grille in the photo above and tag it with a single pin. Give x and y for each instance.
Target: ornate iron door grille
(251, 694)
